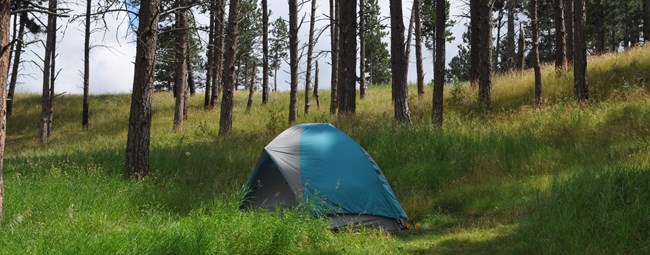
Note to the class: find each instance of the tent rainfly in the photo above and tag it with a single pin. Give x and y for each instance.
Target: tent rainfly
(319, 165)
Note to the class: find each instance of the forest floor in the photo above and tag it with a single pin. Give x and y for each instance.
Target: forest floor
(566, 178)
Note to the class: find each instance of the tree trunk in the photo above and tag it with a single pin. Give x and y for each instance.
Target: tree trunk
(521, 58)
(362, 50)
(310, 51)
(53, 74)
(511, 55)
(568, 12)
(293, 60)
(418, 48)
(265, 51)
(334, 31)
(600, 41)
(439, 82)
(538, 73)
(84, 114)
(560, 39)
(219, 51)
(251, 87)
(474, 6)
(16, 63)
(646, 21)
(137, 144)
(484, 42)
(210, 59)
(5, 10)
(398, 64)
(181, 66)
(47, 69)
(275, 80)
(497, 49)
(580, 62)
(316, 88)
(347, 92)
(614, 42)
(12, 45)
(225, 120)
(191, 85)
(409, 38)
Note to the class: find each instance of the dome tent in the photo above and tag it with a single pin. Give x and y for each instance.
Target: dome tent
(320, 165)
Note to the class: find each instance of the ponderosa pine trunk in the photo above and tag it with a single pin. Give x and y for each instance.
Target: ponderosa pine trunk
(497, 49)
(398, 64)
(484, 43)
(44, 126)
(362, 50)
(511, 56)
(265, 51)
(521, 55)
(419, 69)
(251, 87)
(474, 6)
(334, 31)
(560, 39)
(535, 51)
(16, 63)
(5, 10)
(228, 76)
(293, 60)
(84, 113)
(181, 66)
(137, 144)
(409, 38)
(218, 81)
(316, 97)
(439, 66)
(310, 51)
(581, 90)
(209, 59)
(191, 85)
(568, 27)
(347, 92)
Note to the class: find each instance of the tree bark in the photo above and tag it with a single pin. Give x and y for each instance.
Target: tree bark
(580, 61)
(334, 34)
(181, 65)
(538, 73)
(568, 11)
(218, 80)
(497, 49)
(439, 66)
(521, 58)
(44, 127)
(5, 13)
(16, 63)
(293, 60)
(646, 21)
(316, 87)
(265, 51)
(210, 58)
(398, 64)
(484, 53)
(225, 120)
(511, 56)
(251, 87)
(137, 144)
(347, 91)
(409, 38)
(418, 47)
(310, 51)
(362, 50)
(560, 39)
(84, 114)
(191, 85)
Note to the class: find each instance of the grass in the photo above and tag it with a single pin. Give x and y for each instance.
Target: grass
(567, 178)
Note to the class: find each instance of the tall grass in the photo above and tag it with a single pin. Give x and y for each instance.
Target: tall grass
(479, 186)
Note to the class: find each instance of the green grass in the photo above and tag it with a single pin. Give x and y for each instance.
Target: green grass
(567, 178)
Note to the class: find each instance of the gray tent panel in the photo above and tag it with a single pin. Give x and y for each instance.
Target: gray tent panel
(367, 221)
(269, 189)
(285, 152)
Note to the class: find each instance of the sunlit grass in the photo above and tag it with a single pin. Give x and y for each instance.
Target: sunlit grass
(476, 187)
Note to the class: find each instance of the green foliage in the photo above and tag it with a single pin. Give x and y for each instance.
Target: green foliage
(459, 65)
(376, 51)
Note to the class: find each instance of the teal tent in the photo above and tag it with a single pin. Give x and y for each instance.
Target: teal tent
(319, 165)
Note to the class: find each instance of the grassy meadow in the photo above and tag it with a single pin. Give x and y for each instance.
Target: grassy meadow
(564, 179)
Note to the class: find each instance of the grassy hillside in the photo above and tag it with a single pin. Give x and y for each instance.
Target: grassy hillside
(566, 178)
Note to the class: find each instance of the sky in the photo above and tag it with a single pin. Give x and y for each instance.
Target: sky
(113, 54)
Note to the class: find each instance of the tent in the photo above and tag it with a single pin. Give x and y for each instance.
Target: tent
(319, 166)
